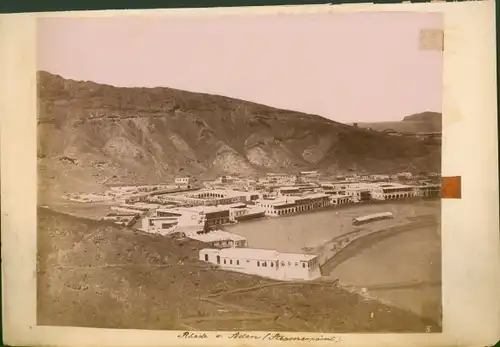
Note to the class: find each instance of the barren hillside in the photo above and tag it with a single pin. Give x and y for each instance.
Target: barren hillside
(424, 122)
(89, 133)
(95, 274)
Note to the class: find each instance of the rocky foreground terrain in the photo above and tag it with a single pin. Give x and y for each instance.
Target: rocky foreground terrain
(91, 133)
(94, 274)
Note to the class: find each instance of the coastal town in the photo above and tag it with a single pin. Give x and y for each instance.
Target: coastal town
(186, 208)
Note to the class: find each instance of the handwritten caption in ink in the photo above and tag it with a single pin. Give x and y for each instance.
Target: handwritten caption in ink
(258, 337)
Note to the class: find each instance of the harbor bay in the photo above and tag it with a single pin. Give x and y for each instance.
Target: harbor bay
(400, 266)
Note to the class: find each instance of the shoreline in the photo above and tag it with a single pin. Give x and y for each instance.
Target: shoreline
(353, 246)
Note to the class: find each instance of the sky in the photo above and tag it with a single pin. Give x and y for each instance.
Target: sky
(348, 67)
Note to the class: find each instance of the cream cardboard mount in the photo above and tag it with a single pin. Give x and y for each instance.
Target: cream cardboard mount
(249, 264)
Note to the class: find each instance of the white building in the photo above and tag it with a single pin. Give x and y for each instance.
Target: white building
(219, 239)
(265, 263)
(392, 191)
(240, 212)
(288, 191)
(336, 200)
(226, 179)
(360, 191)
(283, 206)
(182, 181)
(211, 215)
(405, 175)
(212, 197)
(314, 173)
(309, 176)
(159, 225)
(379, 177)
(238, 195)
(168, 221)
(89, 198)
(296, 190)
(339, 186)
(280, 179)
(427, 190)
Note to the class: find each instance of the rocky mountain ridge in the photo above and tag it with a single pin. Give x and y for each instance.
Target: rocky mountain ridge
(423, 122)
(89, 133)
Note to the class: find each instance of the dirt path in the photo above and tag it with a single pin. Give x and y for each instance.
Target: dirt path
(276, 284)
(244, 313)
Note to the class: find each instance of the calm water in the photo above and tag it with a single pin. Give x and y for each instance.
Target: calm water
(293, 233)
(403, 269)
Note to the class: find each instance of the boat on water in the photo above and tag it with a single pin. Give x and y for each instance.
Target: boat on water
(372, 218)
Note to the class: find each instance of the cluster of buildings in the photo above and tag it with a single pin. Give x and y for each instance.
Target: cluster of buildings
(167, 220)
(210, 197)
(164, 208)
(186, 210)
(89, 197)
(287, 205)
(366, 191)
(121, 194)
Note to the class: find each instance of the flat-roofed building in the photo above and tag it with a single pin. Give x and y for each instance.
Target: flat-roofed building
(340, 185)
(309, 176)
(281, 178)
(182, 181)
(379, 177)
(212, 215)
(159, 225)
(219, 239)
(169, 220)
(288, 191)
(226, 179)
(314, 173)
(359, 193)
(243, 212)
(213, 197)
(265, 263)
(427, 190)
(392, 191)
(404, 175)
(336, 199)
(356, 191)
(283, 206)
(217, 216)
(296, 190)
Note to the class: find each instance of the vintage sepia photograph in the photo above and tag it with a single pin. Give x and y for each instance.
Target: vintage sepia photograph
(269, 173)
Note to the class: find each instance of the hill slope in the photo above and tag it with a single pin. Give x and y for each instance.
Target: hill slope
(95, 274)
(424, 122)
(89, 132)
(428, 117)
